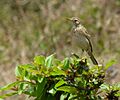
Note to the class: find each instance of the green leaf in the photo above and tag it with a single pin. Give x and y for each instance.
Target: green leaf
(61, 82)
(68, 89)
(40, 88)
(39, 60)
(27, 66)
(116, 86)
(95, 81)
(109, 64)
(52, 91)
(9, 86)
(35, 72)
(30, 90)
(57, 71)
(105, 87)
(117, 94)
(66, 63)
(18, 71)
(22, 88)
(64, 96)
(7, 95)
(49, 60)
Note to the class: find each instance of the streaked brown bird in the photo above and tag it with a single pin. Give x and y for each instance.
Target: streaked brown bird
(81, 36)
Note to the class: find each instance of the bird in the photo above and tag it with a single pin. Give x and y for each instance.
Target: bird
(82, 37)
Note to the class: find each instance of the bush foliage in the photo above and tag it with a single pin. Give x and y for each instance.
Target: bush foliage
(48, 78)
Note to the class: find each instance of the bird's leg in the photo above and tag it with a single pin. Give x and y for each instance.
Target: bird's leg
(75, 55)
(82, 53)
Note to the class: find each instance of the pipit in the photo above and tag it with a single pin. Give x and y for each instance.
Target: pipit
(82, 38)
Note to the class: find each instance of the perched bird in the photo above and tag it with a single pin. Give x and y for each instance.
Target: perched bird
(81, 36)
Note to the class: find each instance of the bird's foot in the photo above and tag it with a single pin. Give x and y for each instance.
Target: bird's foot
(75, 55)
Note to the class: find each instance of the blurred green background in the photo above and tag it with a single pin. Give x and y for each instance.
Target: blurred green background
(35, 27)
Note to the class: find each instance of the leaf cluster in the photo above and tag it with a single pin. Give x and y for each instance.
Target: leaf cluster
(48, 78)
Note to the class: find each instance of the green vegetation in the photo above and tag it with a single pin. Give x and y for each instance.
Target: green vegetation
(48, 78)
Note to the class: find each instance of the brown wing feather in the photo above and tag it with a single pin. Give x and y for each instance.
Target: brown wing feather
(87, 36)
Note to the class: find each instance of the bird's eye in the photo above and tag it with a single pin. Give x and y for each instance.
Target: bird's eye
(75, 20)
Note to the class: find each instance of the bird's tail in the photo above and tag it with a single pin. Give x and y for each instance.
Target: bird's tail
(93, 58)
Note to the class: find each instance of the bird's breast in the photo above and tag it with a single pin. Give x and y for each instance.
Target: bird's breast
(81, 40)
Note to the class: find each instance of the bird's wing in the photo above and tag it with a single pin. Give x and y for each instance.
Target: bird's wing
(87, 36)
(85, 32)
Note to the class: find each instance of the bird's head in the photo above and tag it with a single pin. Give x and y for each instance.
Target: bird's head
(75, 20)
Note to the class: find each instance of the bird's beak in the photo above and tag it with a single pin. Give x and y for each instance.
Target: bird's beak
(69, 19)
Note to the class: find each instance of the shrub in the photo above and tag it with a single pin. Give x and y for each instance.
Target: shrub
(48, 78)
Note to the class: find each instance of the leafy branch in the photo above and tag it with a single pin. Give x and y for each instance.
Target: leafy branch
(71, 78)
